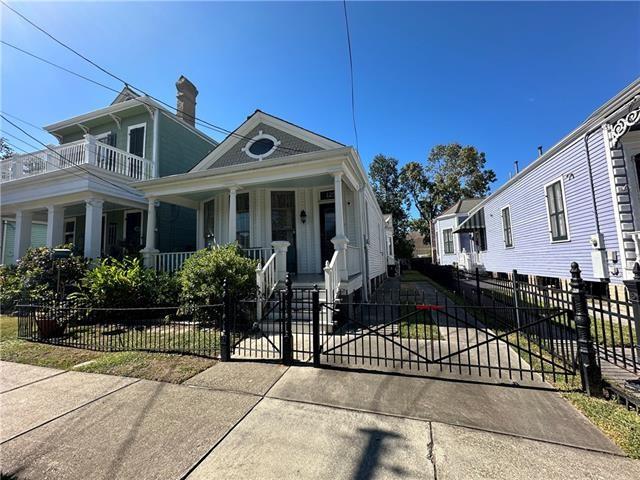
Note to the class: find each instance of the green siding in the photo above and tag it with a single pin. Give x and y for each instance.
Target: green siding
(179, 148)
(110, 126)
(176, 228)
(38, 239)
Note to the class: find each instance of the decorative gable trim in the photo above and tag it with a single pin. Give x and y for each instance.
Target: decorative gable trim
(239, 135)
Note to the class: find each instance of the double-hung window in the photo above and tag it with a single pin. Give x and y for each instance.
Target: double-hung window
(447, 241)
(209, 222)
(557, 212)
(507, 233)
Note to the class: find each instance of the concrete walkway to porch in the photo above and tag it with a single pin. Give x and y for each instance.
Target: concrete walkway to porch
(259, 420)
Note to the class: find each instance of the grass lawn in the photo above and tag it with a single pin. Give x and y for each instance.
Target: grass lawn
(419, 325)
(412, 276)
(619, 424)
(151, 366)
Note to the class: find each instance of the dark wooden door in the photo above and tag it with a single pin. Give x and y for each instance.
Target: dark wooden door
(327, 230)
(283, 224)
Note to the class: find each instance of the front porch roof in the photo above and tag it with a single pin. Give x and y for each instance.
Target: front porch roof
(305, 169)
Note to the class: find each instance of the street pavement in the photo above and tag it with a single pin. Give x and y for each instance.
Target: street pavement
(250, 420)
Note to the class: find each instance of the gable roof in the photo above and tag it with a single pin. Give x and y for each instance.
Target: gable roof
(125, 94)
(245, 132)
(461, 206)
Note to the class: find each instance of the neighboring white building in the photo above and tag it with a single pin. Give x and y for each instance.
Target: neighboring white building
(298, 201)
(453, 249)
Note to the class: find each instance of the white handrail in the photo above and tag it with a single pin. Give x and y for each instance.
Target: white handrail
(332, 282)
(267, 280)
(260, 254)
(81, 152)
(170, 261)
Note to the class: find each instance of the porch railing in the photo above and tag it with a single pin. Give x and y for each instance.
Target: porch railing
(470, 260)
(262, 254)
(82, 152)
(332, 282)
(170, 261)
(267, 280)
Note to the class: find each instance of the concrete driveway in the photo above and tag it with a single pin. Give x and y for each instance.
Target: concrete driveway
(247, 420)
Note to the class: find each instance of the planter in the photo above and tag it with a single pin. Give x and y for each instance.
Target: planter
(49, 328)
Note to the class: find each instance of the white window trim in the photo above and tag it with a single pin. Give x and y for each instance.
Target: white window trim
(565, 213)
(144, 137)
(75, 224)
(261, 135)
(444, 243)
(504, 240)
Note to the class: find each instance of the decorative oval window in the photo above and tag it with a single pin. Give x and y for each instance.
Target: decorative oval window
(261, 146)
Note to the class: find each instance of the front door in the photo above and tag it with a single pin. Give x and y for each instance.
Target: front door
(283, 224)
(133, 221)
(327, 230)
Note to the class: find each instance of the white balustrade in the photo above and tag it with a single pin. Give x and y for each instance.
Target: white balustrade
(73, 154)
(267, 280)
(332, 282)
(261, 254)
(170, 261)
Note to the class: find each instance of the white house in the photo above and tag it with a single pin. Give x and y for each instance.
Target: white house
(296, 200)
(449, 248)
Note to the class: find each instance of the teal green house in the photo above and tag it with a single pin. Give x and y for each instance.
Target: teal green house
(80, 191)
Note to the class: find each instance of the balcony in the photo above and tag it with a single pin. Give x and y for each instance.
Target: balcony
(83, 152)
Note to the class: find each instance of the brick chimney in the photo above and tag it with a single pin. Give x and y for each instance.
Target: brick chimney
(186, 100)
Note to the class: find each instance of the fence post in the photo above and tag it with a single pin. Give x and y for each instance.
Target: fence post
(225, 341)
(478, 292)
(633, 286)
(315, 301)
(589, 368)
(516, 295)
(287, 341)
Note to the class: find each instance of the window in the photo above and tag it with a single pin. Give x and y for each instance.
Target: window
(447, 241)
(597, 289)
(242, 220)
(548, 282)
(70, 231)
(557, 213)
(135, 143)
(209, 217)
(507, 235)
(261, 146)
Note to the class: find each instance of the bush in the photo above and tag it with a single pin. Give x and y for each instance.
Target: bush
(203, 274)
(35, 277)
(127, 284)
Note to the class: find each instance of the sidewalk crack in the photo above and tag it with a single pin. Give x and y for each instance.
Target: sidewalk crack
(430, 452)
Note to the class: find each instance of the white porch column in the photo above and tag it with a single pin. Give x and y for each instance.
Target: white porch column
(93, 228)
(200, 243)
(150, 246)
(280, 248)
(22, 233)
(55, 225)
(232, 214)
(340, 241)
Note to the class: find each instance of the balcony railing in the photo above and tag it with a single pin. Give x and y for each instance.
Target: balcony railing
(83, 152)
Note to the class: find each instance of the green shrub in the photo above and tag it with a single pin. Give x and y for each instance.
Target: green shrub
(203, 274)
(35, 277)
(127, 284)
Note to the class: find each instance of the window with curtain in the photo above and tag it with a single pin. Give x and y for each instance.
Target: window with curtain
(243, 222)
(507, 234)
(447, 241)
(209, 217)
(557, 212)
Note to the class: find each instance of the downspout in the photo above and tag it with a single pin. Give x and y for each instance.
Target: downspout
(156, 123)
(593, 190)
(363, 246)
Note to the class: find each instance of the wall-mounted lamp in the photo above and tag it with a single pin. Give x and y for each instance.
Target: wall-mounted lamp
(303, 216)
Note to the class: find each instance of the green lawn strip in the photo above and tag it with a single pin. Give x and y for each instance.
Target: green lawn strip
(164, 367)
(419, 325)
(412, 276)
(620, 425)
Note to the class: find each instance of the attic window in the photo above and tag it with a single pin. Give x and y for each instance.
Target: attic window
(261, 146)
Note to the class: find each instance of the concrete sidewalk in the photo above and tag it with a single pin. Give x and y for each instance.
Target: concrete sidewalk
(248, 420)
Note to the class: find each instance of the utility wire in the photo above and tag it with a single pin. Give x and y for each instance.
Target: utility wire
(129, 85)
(353, 101)
(69, 162)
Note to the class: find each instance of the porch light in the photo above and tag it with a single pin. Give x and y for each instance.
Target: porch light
(303, 216)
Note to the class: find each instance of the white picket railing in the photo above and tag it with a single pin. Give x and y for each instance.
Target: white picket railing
(261, 254)
(170, 261)
(332, 282)
(470, 260)
(82, 152)
(267, 280)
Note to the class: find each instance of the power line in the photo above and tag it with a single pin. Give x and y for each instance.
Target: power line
(131, 86)
(353, 101)
(69, 162)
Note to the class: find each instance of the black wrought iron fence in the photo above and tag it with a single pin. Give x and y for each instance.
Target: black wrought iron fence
(194, 331)
(614, 323)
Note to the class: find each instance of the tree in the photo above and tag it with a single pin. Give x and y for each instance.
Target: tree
(5, 150)
(392, 198)
(451, 172)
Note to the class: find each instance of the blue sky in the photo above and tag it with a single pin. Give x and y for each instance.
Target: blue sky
(505, 77)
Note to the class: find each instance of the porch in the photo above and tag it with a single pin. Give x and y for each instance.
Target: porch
(88, 151)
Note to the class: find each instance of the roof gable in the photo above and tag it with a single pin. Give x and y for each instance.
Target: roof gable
(289, 139)
(125, 94)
